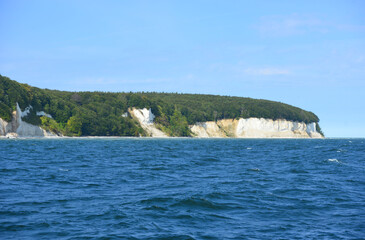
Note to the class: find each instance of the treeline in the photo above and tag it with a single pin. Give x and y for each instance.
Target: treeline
(73, 114)
(101, 113)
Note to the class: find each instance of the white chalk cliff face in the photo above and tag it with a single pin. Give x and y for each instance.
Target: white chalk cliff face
(3, 127)
(241, 128)
(255, 128)
(145, 118)
(18, 128)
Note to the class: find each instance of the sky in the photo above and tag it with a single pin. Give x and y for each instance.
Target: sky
(310, 54)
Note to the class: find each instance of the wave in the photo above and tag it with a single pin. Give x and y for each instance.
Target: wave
(333, 160)
(195, 202)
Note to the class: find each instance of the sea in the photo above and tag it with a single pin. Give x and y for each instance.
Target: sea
(182, 188)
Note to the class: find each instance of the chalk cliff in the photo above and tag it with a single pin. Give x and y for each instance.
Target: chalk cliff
(234, 128)
(18, 128)
(255, 128)
(3, 127)
(145, 118)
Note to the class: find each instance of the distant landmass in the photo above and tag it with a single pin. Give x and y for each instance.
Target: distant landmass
(29, 111)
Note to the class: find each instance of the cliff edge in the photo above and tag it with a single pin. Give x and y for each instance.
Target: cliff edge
(234, 128)
(254, 128)
(18, 128)
(145, 118)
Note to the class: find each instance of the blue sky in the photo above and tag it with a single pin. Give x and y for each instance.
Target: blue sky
(309, 54)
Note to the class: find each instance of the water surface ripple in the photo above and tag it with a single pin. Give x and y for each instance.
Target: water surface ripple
(182, 189)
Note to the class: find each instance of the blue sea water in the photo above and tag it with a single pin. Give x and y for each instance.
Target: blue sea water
(182, 189)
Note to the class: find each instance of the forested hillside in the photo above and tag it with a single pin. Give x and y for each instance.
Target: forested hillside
(100, 113)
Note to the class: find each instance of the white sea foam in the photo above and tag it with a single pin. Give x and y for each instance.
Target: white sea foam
(255, 169)
(333, 160)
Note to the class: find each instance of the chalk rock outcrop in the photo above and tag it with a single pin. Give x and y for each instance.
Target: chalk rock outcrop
(207, 130)
(18, 128)
(255, 128)
(234, 128)
(3, 127)
(145, 118)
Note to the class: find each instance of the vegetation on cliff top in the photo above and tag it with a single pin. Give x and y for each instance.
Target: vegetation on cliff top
(100, 113)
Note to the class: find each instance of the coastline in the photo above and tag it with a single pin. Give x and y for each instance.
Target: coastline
(157, 138)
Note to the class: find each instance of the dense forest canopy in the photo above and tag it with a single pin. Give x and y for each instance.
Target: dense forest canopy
(101, 113)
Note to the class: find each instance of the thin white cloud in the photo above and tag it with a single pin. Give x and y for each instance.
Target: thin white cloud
(351, 27)
(111, 81)
(7, 67)
(295, 24)
(266, 71)
(290, 25)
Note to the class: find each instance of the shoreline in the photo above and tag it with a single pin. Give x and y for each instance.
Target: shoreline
(133, 137)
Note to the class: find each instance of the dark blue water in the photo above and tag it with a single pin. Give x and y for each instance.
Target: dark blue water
(182, 189)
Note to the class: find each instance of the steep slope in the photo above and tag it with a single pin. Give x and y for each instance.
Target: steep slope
(18, 128)
(106, 114)
(145, 118)
(255, 128)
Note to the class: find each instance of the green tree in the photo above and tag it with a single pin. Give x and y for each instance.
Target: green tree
(74, 125)
(50, 124)
(178, 124)
(100, 113)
